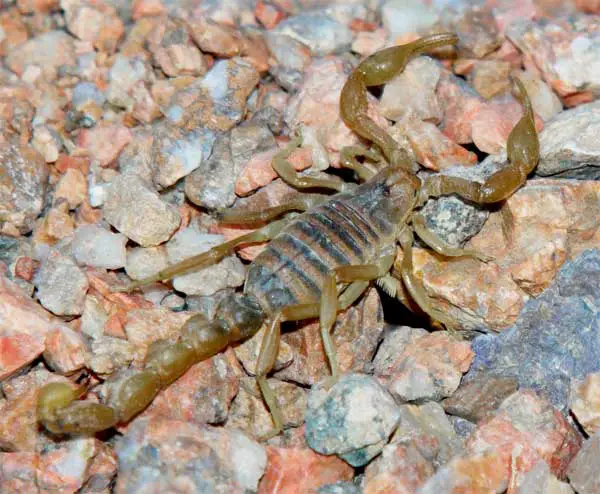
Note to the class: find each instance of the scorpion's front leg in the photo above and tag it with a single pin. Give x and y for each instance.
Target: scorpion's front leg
(523, 151)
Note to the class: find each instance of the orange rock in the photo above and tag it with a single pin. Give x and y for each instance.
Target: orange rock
(268, 14)
(296, 471)
(105, 142)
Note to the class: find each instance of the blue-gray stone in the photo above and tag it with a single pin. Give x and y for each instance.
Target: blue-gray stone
(556, 337)
(87, 92)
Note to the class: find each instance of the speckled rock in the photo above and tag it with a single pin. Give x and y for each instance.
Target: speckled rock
(478, 398)
(97, 247)
(555, 338)
(23, 177)
(300, 470)
(353, 419)
(429, 368)
(158, 454)
(250, 414)
(584, 402)
(583, 470)
(72, 187)
(95, 22)
(229, 272)
(61, 285)
(108, 355)
(134, 209)
(539, 480)
(412, 92)
(104, 142)
(490, 77)
(322, 34)
(477, 30)
(143, 262)
(213, 37)
(568, 147)
(65, 351)
(291, 56)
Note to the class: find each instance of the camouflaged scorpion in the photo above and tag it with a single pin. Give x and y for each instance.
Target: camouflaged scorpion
(319, 261)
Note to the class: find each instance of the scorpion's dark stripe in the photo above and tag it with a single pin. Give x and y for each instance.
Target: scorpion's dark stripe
(336, 210)
(383, 226)
(305, 256)
(318, 235)
(357, 218)
(280, 262)
(337, 230)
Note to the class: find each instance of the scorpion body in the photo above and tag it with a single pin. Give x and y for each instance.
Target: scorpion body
(317, 263)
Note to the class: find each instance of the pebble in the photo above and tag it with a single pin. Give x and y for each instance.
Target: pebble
(97, 247)
(322, 34)
(412, 92)
(539, 480)
(544, 101)
(584, 402)
(568, 148)
(250, 414)
(72, 187)
(161, 454)
(301, 470)
(339, 487)
(477, 30)
(290, 57)
(491, 77)
(212, 37)
(61, 285)
(137, 211)
(229, 272)
(23, 188)
(124, 74)
(248, 351)
(565, 51)
(402, 17)
(104, 142)
(583, 470)
(203, 394)
(428, 368)
(142, 262)
(353, 419)
(477, 399)
(47, 142)
(109, 355)
(544, 353)
(65, 351)
(49, 51)
(94, 22)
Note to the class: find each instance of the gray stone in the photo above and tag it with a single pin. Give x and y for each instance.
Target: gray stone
(569, 145)
(322, 34)
(540, 480)
(143, 262)
(97, 247)
(584, 469)
(48, 51)
(353, 419)
(339, 488)
(61, 285)
(555, 338)
(407, 16)
(133, 208)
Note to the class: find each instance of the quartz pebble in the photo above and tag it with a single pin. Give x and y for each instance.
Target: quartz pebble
(97, 247)
(204, 458)
(134, 209)
(353, 419)
(583, 470)
(584, 402)
(539, 480)
(49, 51)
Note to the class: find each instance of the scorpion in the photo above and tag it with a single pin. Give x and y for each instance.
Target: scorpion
(318, 261)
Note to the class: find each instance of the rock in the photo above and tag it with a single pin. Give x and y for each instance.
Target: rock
(202, 395)
(491, 77)
(412, 92)
(164, 454)
(429, 368)
(525, 429)
(395, 341)
(23, 182)
(95, 22)
(300, 470)
(144, 262)
(567, 145)
(584, 402)
(47, 142)
(544, 101)
(97, 247)
(539, 480)
(125, 74)
(565, 315)
(61, 285)
(109, 355)
(134, 209)
(72, 186)
(218, 100)
(248, 351)
(479, 398)
(49, 51)
(340, 488)
(583, 470)
(105, 142)
(356, 335)
(290, 56)
(401, 17)
(65, 351)
(58, 224)
(189, 242)
(354, 419)
(322, 34)
(477, 30)
(219, 39)
(250, 414)
(564, 51)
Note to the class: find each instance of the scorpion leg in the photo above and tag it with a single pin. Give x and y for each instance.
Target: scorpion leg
(289, 175)
(522, 149)
(414, 286)
(211, 256)
(241, 216)
(439, 245)
(348, 160)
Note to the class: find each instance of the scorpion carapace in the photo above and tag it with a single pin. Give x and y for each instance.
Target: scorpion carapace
(317, 263)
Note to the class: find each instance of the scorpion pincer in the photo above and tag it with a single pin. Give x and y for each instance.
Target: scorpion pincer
(318, 262)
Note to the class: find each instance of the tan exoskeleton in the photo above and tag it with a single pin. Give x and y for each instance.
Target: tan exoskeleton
(317, 263)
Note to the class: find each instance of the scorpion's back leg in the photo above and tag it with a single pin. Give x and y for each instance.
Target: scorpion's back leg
(348, 160)
(522, 149)
(213, 255)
